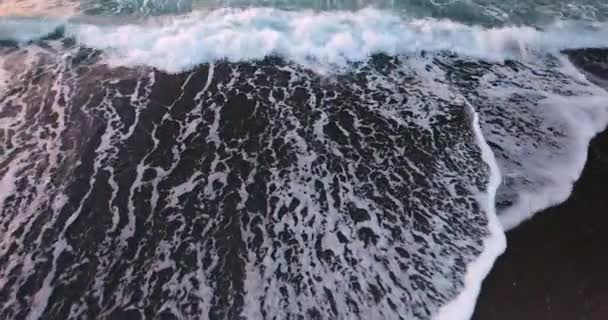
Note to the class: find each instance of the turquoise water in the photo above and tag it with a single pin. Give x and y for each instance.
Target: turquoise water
(482, 12)
(485, 12)
(472, 11)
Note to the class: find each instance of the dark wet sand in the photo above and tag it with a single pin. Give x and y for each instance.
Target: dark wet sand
(556, 265)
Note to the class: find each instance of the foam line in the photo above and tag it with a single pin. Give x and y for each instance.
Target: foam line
(463, 306)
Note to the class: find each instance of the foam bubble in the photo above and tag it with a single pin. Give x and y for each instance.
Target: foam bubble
(4, 76)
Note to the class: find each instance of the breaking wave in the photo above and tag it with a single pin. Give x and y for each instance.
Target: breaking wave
(336, 38)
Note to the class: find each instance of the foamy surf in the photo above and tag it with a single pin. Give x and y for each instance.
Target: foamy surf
(547, 119)
(330, 39)
(463, 305)
(335, 38)
(371, 189)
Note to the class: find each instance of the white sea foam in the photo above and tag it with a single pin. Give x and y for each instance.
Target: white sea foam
(178, 43)
(4, 76)
(8, 181)
(336, 38)
(463, 305)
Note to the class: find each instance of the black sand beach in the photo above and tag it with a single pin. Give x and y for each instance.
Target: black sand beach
(556, 264)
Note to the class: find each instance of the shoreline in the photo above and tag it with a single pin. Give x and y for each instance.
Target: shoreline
(555, 264)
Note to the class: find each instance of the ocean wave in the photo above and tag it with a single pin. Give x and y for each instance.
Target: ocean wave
(309, 38)
(335, 39)
(522, 128)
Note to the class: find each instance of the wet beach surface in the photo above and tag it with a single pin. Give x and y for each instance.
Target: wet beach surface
(555, 264)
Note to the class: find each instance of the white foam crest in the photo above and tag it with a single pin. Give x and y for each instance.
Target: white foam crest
(334, 38)
(463, 306)
(540, 122)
